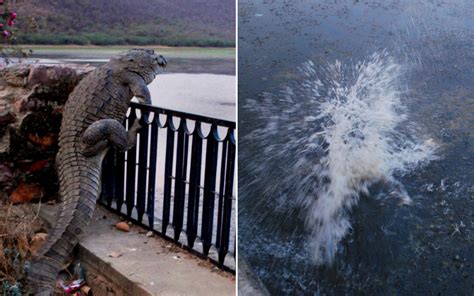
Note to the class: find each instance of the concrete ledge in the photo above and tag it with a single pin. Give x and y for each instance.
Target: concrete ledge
(146, 265)
(102, 278)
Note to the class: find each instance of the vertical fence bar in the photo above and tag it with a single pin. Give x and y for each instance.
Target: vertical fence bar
(229, 185)
(168, 172)
(194, 183)
(120, 179)
(131, 168)
(108, 178)
(221, 193)
(209, 189)
(113, 177)
(120, 170)
(180, 178)
(142, 170)
(152, 172)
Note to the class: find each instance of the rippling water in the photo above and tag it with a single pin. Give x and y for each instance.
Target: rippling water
(355, 168)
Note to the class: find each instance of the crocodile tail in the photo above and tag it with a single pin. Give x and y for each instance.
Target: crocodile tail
(79, 188)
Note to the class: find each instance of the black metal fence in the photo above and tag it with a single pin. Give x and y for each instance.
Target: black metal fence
(178, 181)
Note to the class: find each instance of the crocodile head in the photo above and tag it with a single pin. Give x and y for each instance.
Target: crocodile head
(144, 62)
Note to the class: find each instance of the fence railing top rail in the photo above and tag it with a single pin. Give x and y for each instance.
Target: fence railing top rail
(191, 116)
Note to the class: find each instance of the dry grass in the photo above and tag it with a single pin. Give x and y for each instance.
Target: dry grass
(18, 225)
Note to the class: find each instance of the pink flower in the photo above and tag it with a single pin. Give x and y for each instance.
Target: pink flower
(6, 33)
(12, 15)
(11, 22)
(1, 2)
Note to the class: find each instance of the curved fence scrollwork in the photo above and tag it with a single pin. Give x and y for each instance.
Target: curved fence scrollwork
(179, 180)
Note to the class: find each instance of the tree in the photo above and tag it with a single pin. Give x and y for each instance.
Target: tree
(8, 16)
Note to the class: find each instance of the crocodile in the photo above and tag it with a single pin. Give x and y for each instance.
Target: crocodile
(91, 124)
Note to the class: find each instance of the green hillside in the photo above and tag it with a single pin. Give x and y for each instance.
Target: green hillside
(121, 22)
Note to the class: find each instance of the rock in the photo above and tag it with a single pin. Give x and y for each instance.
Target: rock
(15, 76)
(115, 254)
(4, 106)
(18, 104)
(58, 111)
(25, 193)
(6, 118)
(86, 290)
(44, 75)
(149, 234)
(123, 226)
(32, 98)
(54, 83)
(30, 104)
(39, 165)
(41, 127)
(45, 142)
(53, 75)
(7, 114)
(4, 142)
(37, 242)
(5, 173)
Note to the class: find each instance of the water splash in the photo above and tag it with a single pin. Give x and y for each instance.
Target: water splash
(335, 133)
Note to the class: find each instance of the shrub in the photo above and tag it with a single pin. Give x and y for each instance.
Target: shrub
(7, 34)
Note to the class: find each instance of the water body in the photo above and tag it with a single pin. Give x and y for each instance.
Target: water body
(406, 227)
(180, 60)
(199, 81)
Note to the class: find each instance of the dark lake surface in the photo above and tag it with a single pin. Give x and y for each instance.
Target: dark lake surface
(426, 248)
(180, 60)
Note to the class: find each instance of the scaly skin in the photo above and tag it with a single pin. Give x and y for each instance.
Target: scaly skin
(91, 124)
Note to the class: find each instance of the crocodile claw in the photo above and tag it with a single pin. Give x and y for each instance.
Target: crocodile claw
(145, 119)
(162, 62)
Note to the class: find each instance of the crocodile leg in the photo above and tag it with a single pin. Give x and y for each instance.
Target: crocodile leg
(139, 89)
(141, 92)
(102, 132)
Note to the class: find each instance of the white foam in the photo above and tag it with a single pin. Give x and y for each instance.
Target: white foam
(347, 128)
